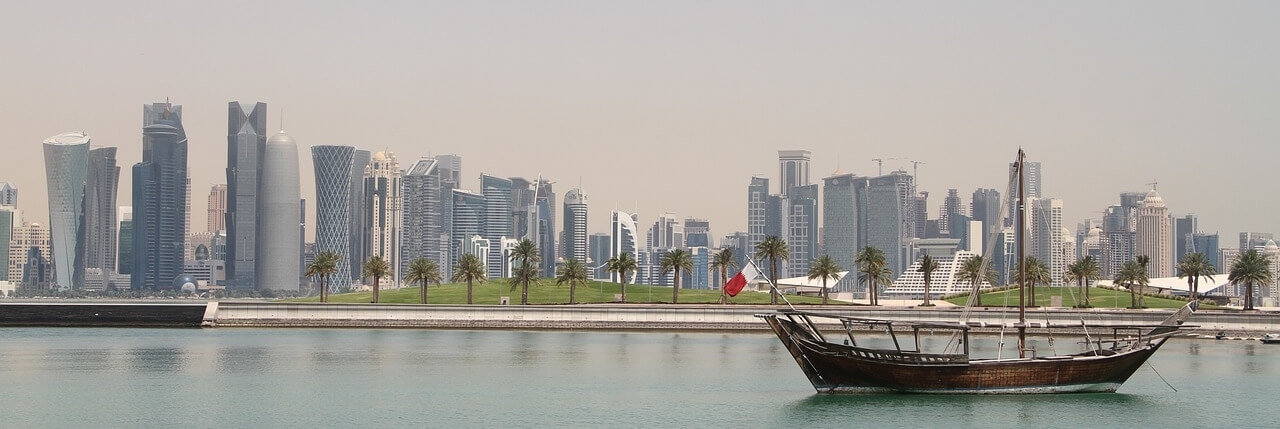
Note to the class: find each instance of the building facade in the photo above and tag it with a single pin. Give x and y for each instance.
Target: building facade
(246, 144)
(422, 235)
(160, 185)
(332, 166)
(622, 238)
(66, 160)
(382, 212)
(573, 242)
(497, 218)
(100, 214)
(1154, 237)
(280, 205)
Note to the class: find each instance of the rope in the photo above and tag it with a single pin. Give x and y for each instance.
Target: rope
(1166, 382)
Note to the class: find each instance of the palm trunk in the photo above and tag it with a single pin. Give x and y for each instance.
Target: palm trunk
(675, 291)
(773, 288)
(623, 276)
(724, 296)
(524, 293)
(375, 290)
(978, 291)
(572, 288)
(926, 291)
(825, 293)
(468, 290)
(424, 292)
(1133, 297)
(1248, 295)
(1195, 289)
(1085, 288)
(1084, 301)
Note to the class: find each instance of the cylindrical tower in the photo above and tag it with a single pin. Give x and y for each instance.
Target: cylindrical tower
(66, 166)
(278, 250)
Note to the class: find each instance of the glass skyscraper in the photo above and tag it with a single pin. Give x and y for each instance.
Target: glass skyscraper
(544, 225)
(840, 224)
(160, 199)
(382, 208)
(332, 166)
(280, 210)
(100, 213)
(497, 218)
(468, 221)
(246, 142)
(573, 243)
(66, 159)
(422, 234)
(356, 251)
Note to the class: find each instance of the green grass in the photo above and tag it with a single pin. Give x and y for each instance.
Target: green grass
(1098, 297)
(547, 292)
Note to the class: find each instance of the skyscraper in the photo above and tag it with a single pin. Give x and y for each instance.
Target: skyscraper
(333, 166)
(66, 160)
(422, 235)
(8, 194)
(1209, 246)
(573, 243)
(544, 225)
(598, 247)
(1034, 190)
(757, 211)
(793, 169)
(246, 142)
(666, 233)
(802, 228)
(522, 210)
(280, 205)
(884, 208)
(697, 233)
(382, 211)
(840, 224)
(217, 213)
(622, 237)
(100, 221)
(468, 221)
(497, 218)
(356, 250)
(1184, 230)
(952, 205)
(1154, 235)
(159, 199)
(8, 221)
(985, 208)
(1046, 236)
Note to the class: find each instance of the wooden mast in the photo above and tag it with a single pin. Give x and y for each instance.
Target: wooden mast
(1022, 265)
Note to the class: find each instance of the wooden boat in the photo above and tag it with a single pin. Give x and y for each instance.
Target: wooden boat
(1271, 339)
(847, 367)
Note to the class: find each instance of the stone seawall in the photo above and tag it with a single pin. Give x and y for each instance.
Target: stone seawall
(677, 317)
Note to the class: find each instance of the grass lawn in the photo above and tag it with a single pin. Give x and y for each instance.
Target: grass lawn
(547, 292)
(1098, 297)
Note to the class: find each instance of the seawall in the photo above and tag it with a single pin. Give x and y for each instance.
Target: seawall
(100, 313)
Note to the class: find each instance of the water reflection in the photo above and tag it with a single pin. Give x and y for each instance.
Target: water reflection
(162, 359)
(243, 360)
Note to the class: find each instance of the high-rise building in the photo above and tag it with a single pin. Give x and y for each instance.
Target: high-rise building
(1032, 177)
(544, 225)
(884, 209)
(1254, 240)
(100, 212)
(622, 238)
(738, 243)
(422, 235)
(599, 247)
(757, 211)
(1184, 230)
(246, 142)
(497, 217)
(217, 213)
(1209, 246)
(124, 238)
(573, 242)
(382, 211)
(450, 169)
(356, 249)
(8, 221)
(1154, 235)
(952, 205)
(332, 166)
(918, 213)
(840, 224)
(280, 204)
(522, 210)
(29, 253)
(1046, 242)
(8, 194)
(666, 233)
(697, 233)
(793, 169)
(985, 208)
(802, 228)
(468, 220)
(66, 160)
(160, 199)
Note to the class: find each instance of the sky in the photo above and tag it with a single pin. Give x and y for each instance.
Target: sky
(671, 106)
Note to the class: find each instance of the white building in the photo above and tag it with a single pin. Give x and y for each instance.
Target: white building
(1154, 237)
(383, 209)
(944, 280)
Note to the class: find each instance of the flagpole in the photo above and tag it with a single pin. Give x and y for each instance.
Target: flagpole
(771, 284)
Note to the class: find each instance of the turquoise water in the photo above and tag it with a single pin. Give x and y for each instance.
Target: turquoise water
(324, 378)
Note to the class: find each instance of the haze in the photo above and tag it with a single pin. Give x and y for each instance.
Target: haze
(671, 106)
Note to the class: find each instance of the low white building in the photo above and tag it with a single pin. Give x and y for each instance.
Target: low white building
(944, 280)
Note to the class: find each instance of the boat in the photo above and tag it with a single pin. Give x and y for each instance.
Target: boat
(844, 366)
(1271, 339)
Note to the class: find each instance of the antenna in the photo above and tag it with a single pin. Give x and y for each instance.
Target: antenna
(282, 119)
(880, 163)
(1153, 184)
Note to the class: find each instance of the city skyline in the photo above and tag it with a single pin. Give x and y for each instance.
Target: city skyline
(1105, 123)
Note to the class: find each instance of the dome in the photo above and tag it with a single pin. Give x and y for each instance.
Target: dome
(1094, 236)
(1271, 246)
(185, 282)
(281, 138)
(1153, 199)
(1067, 236)
(380, 156)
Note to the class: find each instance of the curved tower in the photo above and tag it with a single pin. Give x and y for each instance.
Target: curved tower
(278, 250)
(333, 206)
(623, 238)
(66, 166)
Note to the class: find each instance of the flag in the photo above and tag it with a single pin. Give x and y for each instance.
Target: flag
(739, 281)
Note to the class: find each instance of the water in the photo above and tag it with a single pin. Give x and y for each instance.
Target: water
(438, 378)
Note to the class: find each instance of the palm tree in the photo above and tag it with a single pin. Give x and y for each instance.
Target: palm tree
(469, 269)
(423, 272)
(874, 269)
(622, 265)
(1080, 272)
(1251, 268)
(972, 271)
(528, 254)
(773, 248)
(927, 267)
(572, 272)
(1037, 273)
(325, 264)
(676, 260)
(725, 262)
(1132, 275)
(1194, 266)
(824, 268)
(377, 268)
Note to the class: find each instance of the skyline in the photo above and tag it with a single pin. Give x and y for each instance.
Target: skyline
(520, 96)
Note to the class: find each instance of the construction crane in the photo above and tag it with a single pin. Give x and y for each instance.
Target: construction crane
(880, 163)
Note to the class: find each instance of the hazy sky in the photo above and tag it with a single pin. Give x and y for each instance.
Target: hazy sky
(672, 106)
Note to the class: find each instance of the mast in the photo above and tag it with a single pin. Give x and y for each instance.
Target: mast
(1022, 265)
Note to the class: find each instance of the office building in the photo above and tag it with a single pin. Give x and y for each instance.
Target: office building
(1154, 235)
(840, 224)
(793, 169)
(574, 242)
(246, 144)
(757, 211)
(498, 224)
(599, 247)
(885, 206)
(802, 228)
(356, 249)
(1184, 230)
(100, 212)
(9, 220)
(29, 253)
(1209, 246)
(382, 212)
(422, 234)
(543, 220)
(216, 219)
(8, 194)
(1046, 242)
(697, 233)
(667, 232)
(332, 166)
(622, 238)
(468, 219)
(160, 185)
(985, 207)
(66, 160)
(280, 206)
(1254, 240)
(952, 205)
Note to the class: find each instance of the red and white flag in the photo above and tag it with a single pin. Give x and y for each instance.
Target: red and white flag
(739, 281)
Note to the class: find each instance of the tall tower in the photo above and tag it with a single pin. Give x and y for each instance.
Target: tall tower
(279, 205)
(757, 211)
(952, 205)
(382, 211)
(422, 235)
(66, 160)
(1046, 236)
(1154, 237)
(159, 199)
(622, 239)
(100, 213)
(802, 228)
(544, 224)
(497, 219)
(985, 207)
(574, 243)
(246, 142)
(357, 251)
(468, 219)
(8, 194)
(217, 213)
(793, 169)
(332, 166)
(840, 223)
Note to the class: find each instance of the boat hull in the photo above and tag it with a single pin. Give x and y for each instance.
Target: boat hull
(835, 368)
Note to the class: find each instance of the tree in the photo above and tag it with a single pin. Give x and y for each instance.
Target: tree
(675, 261)
(1081, 271)
(1037, 273)
(1144, 279)
(377, 268)
(469, 269)
(572, 272)
(423, 272)
(1194, 267)
(773, 248)
(874, 269)
(927, 267)
(622, 265)
(973, 271)
(323, 267)
(527, 253)
(1250, 268)
(724, 261)
(824, 268)
(1132, 275)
